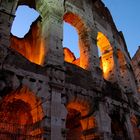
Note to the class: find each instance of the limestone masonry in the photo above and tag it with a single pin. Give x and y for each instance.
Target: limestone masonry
(46, 93)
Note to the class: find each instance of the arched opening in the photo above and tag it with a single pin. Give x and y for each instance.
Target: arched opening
(78, 126)
(75, 21)
(135, 121)
(20, 112)
(70, 43)
(73, 125)
(105, 53)
(31, 44)
(118, 129)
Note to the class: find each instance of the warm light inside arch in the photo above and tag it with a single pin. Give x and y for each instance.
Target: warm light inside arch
(83, 110)
(75, 21)
(107, 63)
(20, 111)
(25, 96)
(32, 45)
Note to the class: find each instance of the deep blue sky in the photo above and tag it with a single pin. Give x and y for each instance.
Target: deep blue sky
(126, 14)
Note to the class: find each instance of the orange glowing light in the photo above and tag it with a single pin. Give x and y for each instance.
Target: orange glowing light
(31, 46)
(103, 43)
(85, 123)
(70, 57)
(20, 110)
(107, 62)
(28, 98)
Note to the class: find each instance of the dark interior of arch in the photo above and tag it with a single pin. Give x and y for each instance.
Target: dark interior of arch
(118, 128)
(73, 125)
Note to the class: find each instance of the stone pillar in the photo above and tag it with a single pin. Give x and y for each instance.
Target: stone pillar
(52, 30)
(126, 76)
(103, 122)
(7, 14)
(57, 111)
(7, 11)
(127, 79)
(96, 69)
(129, 127)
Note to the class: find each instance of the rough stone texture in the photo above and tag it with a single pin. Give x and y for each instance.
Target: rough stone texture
(136, 67)
(90, 99)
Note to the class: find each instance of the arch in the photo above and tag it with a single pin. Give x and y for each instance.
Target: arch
(78, 111)
(103, 43)
(32, 45)
(82, 30)
(73, 125)
(107, 62)
(20, 110)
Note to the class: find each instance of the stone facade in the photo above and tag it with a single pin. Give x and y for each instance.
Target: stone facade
(136, 67)
(94, 98)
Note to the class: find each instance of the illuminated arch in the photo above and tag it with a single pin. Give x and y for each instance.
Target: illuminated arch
(76, 113)
(26, 96)
(19, 110)
(84, 46)
(32, 45)
(107, 61)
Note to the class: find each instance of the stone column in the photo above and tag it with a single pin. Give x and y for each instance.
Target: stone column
(129, 127)
(7, 14)
(57, 111)
(52, 30)
(127, 79)
(126, 76)
(103, 122)
(58, 115)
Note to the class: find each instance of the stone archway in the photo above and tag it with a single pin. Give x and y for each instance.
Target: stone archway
(82, 30)
(80, 125)
(73, 125)
(20, 111)
(31, 46)
(107, 62)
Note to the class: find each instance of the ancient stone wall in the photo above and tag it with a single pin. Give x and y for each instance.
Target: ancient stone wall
(136, 67)
(93, 97)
